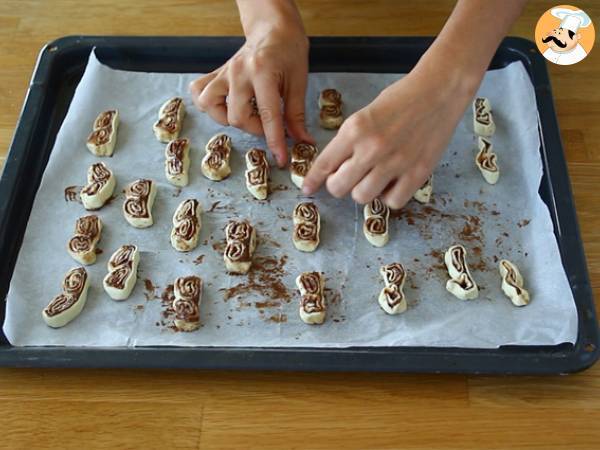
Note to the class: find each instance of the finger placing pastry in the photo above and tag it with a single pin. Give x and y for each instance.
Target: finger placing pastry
(307, 227)
(188, 295)
(82, 246)
(215, 164)
(303, 155)
(461, 283)
(67, 305)
(100, 186)
(139, 199)
(312, 300)
(423, 194)
(257, 173)
(487, 161)
(187, 224)
(102, 140)
(241, 243)
(483, 120)
(330, 104)
(170, 120)
(512, 283)
(122, 272)
(376, 224)
(177, 162)
(391, 298)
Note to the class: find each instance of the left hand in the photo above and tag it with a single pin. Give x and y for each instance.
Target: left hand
(392, 145)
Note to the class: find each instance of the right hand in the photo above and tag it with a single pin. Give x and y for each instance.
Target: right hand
(272, 65)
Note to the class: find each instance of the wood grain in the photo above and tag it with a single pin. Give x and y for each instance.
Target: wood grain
(194, 409)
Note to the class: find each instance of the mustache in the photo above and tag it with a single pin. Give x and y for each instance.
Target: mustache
(556, 41)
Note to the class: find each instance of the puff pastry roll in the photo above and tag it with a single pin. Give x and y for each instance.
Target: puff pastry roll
(512, 283)
(177, 162)
(241, 243)
(215, 164)
(102, 140)
(307, 227)
(303, 155)
(100, 186)
(391, 298)
(461, 284)
(170, 120)
(139, 199)
(312, 300)
(188, 295)
(376, 224)
(257, 173)
(330, 104)
(122, 272)
(487, 161)
(483, 120)
(187, 224)
(82, 246)
(67, 305)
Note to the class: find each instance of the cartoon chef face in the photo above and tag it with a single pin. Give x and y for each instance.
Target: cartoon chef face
(561, 39)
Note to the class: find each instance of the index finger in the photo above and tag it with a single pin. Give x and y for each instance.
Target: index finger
(327, 162)
(197, 86)
(268, 100)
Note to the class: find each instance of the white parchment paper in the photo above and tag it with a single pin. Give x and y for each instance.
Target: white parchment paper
(508, 220)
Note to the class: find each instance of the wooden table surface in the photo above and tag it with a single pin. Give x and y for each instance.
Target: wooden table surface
(195, 409)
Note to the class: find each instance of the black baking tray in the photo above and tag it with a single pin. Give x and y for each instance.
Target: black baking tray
(58, 71)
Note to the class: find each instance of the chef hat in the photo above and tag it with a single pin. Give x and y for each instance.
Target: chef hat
(570, 19)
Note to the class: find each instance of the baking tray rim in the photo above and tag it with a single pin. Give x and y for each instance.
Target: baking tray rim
(563, 358)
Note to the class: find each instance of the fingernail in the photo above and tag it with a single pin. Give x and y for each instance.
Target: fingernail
(306, 190)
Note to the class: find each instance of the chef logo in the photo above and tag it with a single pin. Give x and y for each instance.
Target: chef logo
(564, 35)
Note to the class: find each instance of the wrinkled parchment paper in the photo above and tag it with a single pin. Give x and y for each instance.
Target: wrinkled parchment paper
(508, 220)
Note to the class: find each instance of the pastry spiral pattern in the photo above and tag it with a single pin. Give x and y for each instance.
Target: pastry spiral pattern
(312, 299)
(461, 284)
(391, 298)
(102, 129)
(307, 225)
(82, 246)
(99, 176)
(170, 120)
(137, 207)
(122, 272)
(215, 164)
(303, 156)
(188, 293)
(239, 231)
(121, 266)
(311, 282)
(303, 151)
(257, 173)
(186, 225)
(376, 223)
(512, 283)
(175, 155)
(483, 119)
(74, 289)
(103, 137)
(487, 161)
(330, 104)
(241, 242)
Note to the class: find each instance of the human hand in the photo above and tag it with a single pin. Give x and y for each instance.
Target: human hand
(272, 65)
(392, 145)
